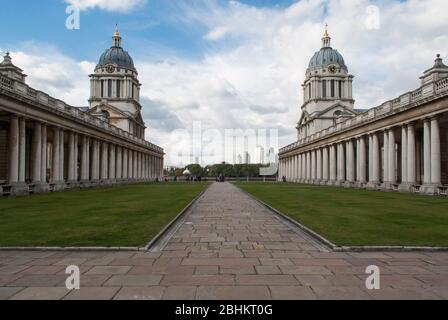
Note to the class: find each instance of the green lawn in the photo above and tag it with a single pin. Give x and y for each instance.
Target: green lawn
(119, 216)
(360, 217)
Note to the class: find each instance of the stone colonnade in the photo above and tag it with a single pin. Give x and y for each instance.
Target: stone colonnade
(45, 157)
(401, 158)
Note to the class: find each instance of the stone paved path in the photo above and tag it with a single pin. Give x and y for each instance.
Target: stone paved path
(229, 247)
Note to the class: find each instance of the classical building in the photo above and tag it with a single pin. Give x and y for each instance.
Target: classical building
(47, 145)
(401, 145)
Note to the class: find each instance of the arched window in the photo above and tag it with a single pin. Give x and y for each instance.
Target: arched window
(324, 88)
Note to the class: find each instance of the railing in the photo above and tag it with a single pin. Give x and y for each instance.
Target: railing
(404, 101)
(43, 98)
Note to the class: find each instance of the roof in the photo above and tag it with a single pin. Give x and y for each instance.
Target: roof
(325, 57)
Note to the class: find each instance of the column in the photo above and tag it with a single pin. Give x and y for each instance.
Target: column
(313, 165)
(119, 168)
(22, 149)
(319, 165)
(392, 167)
(435, 152)
(36, 153)
(14, 150)
(145, 166)
(299, 167)
(56, 154)
(44, 153)
(308, 166)
(111, 162)
(104, 161)
(85, 158)
(362, 160)
(404, 154)
(341, 163)
(411, 154)
(96, 160)
(351, 161)
(426, 151)
(61, 155)
(375, 158)
(130, 164)
(333, 164)
(139, 165)
(71, 157)
(125, 163)
(295, 168)
(76, 151)
(385, 155)
(325, 175)
(370, 156)
(135, 165)
(358, 159)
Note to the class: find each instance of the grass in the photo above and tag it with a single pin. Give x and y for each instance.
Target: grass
(119, 216)
(359, 217)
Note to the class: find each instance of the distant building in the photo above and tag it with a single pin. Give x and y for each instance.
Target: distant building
(246, 157)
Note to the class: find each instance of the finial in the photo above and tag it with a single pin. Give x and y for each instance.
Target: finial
(438, 55)
(326, 40)
(326, 31)
(116, 33)
(116, 39)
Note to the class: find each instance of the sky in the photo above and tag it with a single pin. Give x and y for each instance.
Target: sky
(222, 64)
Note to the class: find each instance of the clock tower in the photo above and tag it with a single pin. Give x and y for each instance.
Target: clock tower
(327, 91)
(115, 90)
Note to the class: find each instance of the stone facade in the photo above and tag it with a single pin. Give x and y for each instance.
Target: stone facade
(47, 145)
(400, 145)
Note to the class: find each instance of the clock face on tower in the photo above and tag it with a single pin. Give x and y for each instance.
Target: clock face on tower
(110, 68)
(332, 69)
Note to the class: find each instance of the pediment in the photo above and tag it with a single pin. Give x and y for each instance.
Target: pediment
(113, 111)
(336, 110)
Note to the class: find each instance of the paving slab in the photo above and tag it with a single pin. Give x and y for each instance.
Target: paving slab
(229, 246)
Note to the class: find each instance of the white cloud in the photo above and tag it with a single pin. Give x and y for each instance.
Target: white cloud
(54, 73)
(256, 59)
(108, 5)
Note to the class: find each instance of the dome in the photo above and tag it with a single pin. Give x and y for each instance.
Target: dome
(325, 57)
(116, 55)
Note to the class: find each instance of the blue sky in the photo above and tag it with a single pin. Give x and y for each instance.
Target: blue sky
(150, 25)
(227, 64)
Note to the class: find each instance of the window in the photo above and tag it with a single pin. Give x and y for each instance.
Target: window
(102, 88)
(324, 88)
(118, 88)
(132, 91)
(340, 89)
(332, 88)
(309, 91)
(106, 115)
(109, 88)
